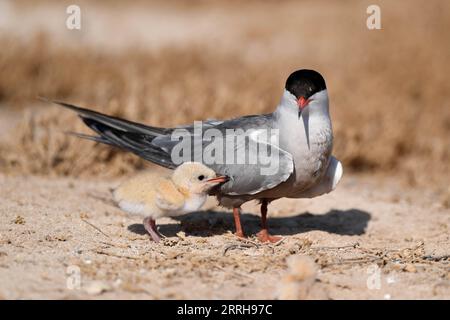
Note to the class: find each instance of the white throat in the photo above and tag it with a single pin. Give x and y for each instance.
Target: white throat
(194, 202)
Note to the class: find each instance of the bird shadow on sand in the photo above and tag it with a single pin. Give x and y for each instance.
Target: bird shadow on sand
(208, 223)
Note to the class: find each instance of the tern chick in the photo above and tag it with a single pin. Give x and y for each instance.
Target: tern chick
(154, 196)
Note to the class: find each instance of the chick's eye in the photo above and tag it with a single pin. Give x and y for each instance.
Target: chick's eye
(201, 177)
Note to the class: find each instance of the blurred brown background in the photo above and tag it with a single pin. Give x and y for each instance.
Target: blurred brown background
(169, 64)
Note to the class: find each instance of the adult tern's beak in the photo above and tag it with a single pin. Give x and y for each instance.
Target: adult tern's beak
(302, 102)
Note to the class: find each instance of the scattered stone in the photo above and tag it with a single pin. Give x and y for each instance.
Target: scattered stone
(57, 237)
(410, 268)
(294, 249)
(97, 287)
(84, 215)
(170, 242)
(298, 282)
(19, 220)
(181, 235)
(117, 283)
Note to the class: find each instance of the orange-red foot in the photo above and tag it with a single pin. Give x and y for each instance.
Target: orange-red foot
(264, 236)
(239, 234)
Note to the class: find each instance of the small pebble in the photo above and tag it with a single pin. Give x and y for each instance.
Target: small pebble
(19, 220)
(97, 287)
(410, 268)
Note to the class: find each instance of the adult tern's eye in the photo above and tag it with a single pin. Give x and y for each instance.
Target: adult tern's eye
(201, 177)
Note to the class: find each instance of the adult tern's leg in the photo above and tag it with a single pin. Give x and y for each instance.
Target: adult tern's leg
(264, 235)
(150, 226)
(237, 222)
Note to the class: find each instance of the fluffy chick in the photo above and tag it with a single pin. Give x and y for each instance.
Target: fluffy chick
(154, 196)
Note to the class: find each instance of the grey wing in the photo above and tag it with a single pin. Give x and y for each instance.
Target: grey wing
(168, 141)
(254, 162)
(244, 123)
(250, 178)
(155, 144)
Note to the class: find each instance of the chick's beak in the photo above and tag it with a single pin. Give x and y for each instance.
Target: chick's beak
(218, 179)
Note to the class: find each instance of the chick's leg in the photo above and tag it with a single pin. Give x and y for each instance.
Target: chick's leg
(237, 222)
(264, 235)
(150, 226)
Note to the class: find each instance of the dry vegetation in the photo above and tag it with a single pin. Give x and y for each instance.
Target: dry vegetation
(167, 88)
(388, 88)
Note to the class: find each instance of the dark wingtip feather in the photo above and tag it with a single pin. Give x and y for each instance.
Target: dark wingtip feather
(118, 132)
(67, 105)
(88, 137)
(115, 122)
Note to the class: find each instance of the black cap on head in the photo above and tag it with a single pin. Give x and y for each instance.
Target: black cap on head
(305, 83)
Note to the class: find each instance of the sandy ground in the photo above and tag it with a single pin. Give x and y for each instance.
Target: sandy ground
(383, 234)
(54, 232)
